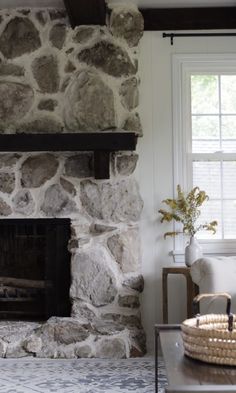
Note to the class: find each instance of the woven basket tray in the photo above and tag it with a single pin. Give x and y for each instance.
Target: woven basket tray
(211, 338)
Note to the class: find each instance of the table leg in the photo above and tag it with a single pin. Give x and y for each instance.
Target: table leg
(164, 297)
(189, 296)
(156, 359)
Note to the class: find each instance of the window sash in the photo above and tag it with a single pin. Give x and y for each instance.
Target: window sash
(183, 66)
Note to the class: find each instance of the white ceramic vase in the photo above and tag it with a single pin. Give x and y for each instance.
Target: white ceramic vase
(193, 251)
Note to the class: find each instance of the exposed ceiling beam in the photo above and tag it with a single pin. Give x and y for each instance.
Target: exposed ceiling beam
(86, 12)
(189, 18)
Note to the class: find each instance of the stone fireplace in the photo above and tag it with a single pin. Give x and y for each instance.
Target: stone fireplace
(57, 80)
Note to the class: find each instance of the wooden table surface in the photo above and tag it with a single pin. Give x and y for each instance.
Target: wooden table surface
(186, 375)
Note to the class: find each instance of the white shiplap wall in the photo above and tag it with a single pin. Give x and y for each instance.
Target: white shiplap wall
(155, 167)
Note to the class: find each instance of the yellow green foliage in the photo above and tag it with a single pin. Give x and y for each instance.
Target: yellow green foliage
(186, 209)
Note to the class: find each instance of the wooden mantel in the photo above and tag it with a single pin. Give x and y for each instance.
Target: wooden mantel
(101, 143)
(85, 12)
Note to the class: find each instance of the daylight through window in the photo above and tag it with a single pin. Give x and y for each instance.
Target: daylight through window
(213, 152)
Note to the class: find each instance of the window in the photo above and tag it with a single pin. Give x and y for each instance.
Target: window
(204, 103)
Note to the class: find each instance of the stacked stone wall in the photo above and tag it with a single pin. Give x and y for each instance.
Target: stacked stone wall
(54, 79)
(57, 79)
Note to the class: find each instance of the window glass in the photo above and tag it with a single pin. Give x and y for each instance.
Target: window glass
(213, 122)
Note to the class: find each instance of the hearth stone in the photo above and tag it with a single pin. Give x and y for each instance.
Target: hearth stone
(67, 338)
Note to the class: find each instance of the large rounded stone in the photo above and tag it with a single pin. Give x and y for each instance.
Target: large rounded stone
(33, 344)
(63, 330)
(42, 17)
(7, 182)
(108, 57)
(127, 22)
(79, 166)
(134, 282)
(83, 351)
(19, 37)
(129, 93)
(45, 71)
(133, 124)
(41, 125)
(37, 170)
(57, 13)
(129, 301)
(16, 100)
(83, 34)
(56, 202)
(126, 164)
(81, 310)
(89, 103)
(57, 35)
(111, 348)
(11, 69)
(125, 247)
(8, 160)
(68, 186)
(5, 209)
(24, 203)
(114, 202)
(92, 279)
(47, 104)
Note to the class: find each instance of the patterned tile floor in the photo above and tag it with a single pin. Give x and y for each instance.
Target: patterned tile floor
(30, 375)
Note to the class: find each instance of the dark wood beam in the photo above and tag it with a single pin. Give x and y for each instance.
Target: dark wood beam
(189, 18)
(106, 141)
(86, 12)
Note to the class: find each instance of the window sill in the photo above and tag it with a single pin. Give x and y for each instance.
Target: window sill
(211, 248)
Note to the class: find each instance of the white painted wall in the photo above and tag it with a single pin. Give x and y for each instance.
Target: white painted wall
(155, 168)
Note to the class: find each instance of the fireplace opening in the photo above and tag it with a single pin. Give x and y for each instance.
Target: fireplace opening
(34, 268)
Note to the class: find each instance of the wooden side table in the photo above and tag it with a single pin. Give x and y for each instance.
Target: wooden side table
(192, 289)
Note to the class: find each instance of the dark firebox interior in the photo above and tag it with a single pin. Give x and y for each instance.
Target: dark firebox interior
(34, 268)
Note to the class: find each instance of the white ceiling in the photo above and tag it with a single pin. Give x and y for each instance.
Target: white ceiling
(178, 3)
(140, 3)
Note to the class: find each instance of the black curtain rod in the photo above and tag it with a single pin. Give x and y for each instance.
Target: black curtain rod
(174, 35)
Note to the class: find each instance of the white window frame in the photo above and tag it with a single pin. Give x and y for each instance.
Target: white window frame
(183, 66)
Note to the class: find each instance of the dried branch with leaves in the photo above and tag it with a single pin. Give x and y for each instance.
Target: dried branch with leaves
(186, 210)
